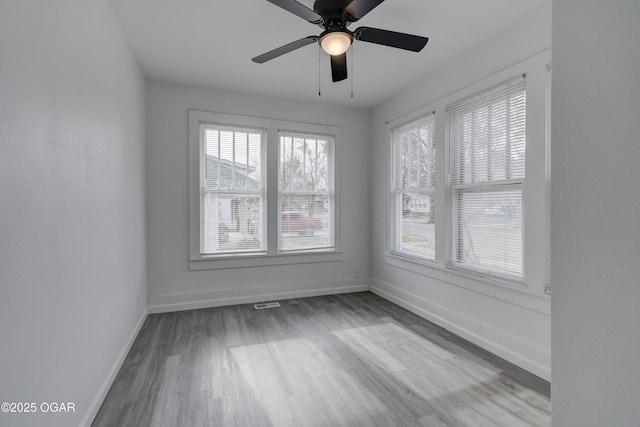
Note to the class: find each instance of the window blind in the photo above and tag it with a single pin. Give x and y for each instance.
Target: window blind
(306, 192)
(232, 190)
(413, 187)
(487, 170)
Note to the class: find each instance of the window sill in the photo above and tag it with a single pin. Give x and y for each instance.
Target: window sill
(510, 292)
(216, 262)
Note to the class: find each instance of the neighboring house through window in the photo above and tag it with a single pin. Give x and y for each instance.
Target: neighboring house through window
(232, 190)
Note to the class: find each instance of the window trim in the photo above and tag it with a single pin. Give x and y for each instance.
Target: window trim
(271, 256)
(535, 191)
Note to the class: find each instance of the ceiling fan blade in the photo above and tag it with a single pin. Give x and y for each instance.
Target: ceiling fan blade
(358, 8)
(298, 9)
(339, 67)
(284, 49)
(391, 38)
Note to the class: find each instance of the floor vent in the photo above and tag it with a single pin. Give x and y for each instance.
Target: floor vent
(266, 305)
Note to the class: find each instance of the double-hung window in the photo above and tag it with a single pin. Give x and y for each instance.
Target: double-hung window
(413, 188)
(487, 170)
(262, 191)
(232, 190)
(468, 196)
(306, 191)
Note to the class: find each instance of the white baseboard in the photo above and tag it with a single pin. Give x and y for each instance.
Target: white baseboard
(179, 302)
(424, 309)
(95, 405)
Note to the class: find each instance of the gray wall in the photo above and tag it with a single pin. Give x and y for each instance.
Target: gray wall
(594, 213)
(72, 213)
(171, 285)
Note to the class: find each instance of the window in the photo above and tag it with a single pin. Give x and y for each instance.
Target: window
(487, 171)
(413, 188)
(232, 190)
(305, 192)
(468, 198)
(261, 195)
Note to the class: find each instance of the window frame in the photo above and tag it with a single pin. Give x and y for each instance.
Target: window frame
(261, 193)
(455, 190)
(528, 292)
(272, 255)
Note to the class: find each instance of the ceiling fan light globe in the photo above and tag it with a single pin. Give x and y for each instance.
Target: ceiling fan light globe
(336, 43)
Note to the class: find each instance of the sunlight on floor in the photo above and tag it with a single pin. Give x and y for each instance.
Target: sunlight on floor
(296, 382)
(299, 382)
(448, 381)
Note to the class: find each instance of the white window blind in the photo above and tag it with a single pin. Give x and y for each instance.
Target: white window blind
(306, 192)
(487, 172)
(413, 188)
(232, 190)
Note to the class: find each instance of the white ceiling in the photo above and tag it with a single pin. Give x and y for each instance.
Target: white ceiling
(211, 43)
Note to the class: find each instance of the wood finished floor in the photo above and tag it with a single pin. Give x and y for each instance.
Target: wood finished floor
(344, 360)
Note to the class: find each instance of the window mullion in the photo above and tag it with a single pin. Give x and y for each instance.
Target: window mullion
(273, 152)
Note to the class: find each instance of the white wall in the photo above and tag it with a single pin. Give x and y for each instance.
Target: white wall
(594, 213)
(171, 285)
(72, 213)
(513, 325)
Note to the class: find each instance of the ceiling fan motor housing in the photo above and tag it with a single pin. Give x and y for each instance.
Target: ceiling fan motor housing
(332, 12)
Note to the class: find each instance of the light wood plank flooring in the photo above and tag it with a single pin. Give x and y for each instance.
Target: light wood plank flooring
(343, 360)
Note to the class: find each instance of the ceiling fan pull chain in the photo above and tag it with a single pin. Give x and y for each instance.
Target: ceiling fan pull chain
(352, 74)
(319, 67)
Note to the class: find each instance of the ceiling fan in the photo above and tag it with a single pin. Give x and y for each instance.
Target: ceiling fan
(335, 16)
